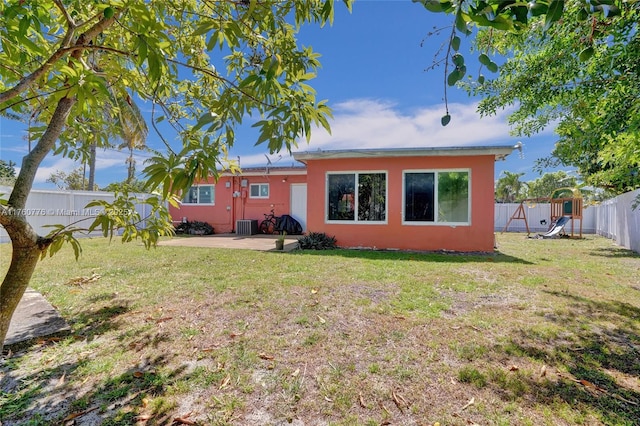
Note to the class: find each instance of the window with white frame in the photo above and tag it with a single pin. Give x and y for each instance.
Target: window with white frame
(437, 196)
(200, 194)
(358, 197)
(259, 190)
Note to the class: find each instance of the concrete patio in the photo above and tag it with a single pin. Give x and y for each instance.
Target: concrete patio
(233, 241)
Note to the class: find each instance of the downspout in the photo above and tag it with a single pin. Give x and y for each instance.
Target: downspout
(233, 204)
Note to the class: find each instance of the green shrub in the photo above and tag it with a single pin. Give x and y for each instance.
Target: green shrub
(194, 228)
(317, 241)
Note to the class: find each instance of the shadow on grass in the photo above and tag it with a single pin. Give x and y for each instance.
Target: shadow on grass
(602, 362)
(89, 324)
(614, 253)
(118, 400)
(19, 394)
(442, 257)
(51, 395)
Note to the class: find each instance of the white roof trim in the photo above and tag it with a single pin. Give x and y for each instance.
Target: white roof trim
(500, 152)
(265, 171)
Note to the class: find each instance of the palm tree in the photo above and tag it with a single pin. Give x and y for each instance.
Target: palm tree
(129, 125)
(127, 122)
(509, 188)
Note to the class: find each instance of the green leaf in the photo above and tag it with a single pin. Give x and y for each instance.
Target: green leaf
(457, 59)
(109, 12)
(461, 24)
(204, 28)
(453, 77)
(431, 5)
(611, 10)
(586, 54)
(583, 15)
(455, 43)
(24, 25)
(554, 13)
(537, 9)
(492, 66)
(462, 71)
(501, 23)
(481, 79)
(484, 60)
(445, 119)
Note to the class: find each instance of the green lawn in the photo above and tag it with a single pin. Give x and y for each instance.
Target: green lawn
(543, 332)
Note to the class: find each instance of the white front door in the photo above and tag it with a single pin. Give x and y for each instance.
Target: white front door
(299, 203)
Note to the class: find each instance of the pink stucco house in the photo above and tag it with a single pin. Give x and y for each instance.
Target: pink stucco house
(407, 199)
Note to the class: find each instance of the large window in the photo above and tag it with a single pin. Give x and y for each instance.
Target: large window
(438, 197)
(200, 194)
(360, 197)
(259, 190)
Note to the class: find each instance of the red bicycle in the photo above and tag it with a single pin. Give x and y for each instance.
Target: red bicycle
(268, 225)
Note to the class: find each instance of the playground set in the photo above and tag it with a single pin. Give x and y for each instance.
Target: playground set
(566, 206)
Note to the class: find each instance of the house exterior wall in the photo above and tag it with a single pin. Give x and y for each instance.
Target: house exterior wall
(227, 208)
(478, 235)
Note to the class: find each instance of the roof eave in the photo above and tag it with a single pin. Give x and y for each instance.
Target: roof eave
(500, 152)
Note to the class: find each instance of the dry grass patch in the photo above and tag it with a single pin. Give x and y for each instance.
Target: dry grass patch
(541, 332)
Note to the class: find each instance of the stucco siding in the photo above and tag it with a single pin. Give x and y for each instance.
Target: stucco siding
(477, 235)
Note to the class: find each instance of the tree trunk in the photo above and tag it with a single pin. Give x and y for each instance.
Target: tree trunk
(26, 249)
(25, 243)
(132, 166)
(92, 165)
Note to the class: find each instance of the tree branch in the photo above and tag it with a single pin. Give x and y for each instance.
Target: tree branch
(76, 50)
(30, 79)
(31, 161)
(71, 23)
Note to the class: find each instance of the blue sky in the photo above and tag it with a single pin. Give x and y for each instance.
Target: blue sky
(373, 74)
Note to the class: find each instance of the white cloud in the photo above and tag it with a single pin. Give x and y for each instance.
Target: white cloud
(107, 161)
(370, 123)
(46, 170)
(365, 123)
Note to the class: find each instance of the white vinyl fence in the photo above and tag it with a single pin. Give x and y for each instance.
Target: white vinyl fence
(615, 219)
(618, 220)
(538, 217)
(52, 207)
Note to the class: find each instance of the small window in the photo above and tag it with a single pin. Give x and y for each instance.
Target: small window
(259, 190)
(437, 197)
(360, 197)
(200, 194)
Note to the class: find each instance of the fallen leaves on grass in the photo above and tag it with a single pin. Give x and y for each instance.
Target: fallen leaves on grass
(361, 401)
(163, 319)
(543, 371)
(467, 421)
(264, 356)
(385, 409)
(468, 404)
(75, 415)
(399, 400)
(322, 320)
(184, 420)
(596, 390)
(225, 382)
(79, 281)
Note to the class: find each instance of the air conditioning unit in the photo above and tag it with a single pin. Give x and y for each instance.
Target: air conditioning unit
(246, 227)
